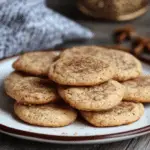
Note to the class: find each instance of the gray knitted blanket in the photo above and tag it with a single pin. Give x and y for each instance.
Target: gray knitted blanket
(29, 25)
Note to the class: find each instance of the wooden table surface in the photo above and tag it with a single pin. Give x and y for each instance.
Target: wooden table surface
(10, 143)
(102, 30)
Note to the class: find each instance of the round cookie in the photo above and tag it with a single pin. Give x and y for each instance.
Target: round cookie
(138, 89)
(50, 115)
(81, 71)
(35, 63)
(126, 65)
(31, 90)
(124, 113)
(96, 98)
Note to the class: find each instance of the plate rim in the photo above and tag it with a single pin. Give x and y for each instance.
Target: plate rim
(135, 132)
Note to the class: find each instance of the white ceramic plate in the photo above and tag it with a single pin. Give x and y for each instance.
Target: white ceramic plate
(77, 133)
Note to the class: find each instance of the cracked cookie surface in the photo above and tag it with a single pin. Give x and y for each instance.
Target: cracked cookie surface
(81, 71)
(124, 113)
(138, 89)
(35, 63)
(96, 98)
(50, 115)
(126, 65)
(30, 90)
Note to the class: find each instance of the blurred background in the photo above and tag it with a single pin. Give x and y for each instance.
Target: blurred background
(28, 25)
(101, 27)
(103, 18)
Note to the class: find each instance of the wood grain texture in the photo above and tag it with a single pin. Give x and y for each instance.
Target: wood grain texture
(11, 143)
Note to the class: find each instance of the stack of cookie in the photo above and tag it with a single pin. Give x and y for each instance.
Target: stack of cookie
(101, 83)
(37, 101)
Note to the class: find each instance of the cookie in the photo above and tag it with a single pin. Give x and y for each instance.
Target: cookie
(81, 71)
(124, 113)
(50, 115)
(126, 65)
(35, 63)
(96, 98)
(31, 90)
(138, 89)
